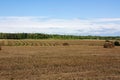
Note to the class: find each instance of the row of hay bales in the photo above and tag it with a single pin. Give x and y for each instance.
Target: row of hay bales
(111, 44)
(55, 44)
(32, 43)
(107, 44)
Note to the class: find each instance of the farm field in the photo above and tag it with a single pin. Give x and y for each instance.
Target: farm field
(51, 60)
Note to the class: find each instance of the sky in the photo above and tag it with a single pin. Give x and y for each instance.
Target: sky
(72, 17)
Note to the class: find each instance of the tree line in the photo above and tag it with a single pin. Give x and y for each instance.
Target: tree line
(52, 36)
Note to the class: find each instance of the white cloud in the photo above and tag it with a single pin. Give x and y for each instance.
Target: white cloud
(108, 19)
(98, 26)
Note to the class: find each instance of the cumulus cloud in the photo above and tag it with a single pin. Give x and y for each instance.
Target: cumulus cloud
(30, 24)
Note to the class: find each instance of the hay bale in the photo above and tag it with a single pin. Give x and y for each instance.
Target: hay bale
(116, 43)
(65, 44)
(0, 48)
(108, 45)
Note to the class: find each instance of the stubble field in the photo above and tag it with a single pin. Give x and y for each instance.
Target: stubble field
(50, 60)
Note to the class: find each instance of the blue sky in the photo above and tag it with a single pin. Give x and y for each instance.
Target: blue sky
(78, 17)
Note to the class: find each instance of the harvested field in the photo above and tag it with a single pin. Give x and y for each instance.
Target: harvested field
(42, 60)
(50, 42)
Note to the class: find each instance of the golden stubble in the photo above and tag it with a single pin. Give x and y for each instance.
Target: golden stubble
(81, 60)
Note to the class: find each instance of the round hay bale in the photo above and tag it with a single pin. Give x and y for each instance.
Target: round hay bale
(65, 44)
(116, 43)
(108, 45)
